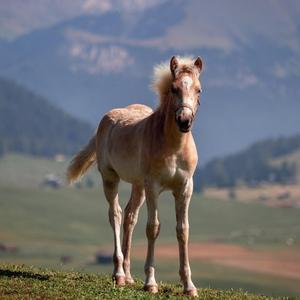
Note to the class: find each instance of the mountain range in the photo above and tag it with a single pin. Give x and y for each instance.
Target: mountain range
(32, 125)
(88, 58)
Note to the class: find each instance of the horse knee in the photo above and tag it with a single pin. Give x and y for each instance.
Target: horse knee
(152, 230)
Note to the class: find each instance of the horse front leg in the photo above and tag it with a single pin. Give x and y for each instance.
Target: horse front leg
(130, 219)
(182, 201)
(152, 231)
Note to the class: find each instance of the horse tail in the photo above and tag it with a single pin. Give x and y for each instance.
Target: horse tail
(82, 161)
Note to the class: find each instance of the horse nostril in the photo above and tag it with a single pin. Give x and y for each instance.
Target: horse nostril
(185, 123)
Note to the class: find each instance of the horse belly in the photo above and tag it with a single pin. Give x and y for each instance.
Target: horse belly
(127, 169)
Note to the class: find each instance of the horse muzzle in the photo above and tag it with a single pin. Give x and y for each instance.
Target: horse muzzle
(184, 118)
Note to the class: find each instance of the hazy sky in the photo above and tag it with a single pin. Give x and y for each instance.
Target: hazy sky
(251, 52)
(213, 24)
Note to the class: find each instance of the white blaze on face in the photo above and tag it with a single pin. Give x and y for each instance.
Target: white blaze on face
(187, 82)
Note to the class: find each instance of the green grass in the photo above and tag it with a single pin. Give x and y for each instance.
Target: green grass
(45, 224)
(209, 274)
(21, 282)
(71, 216)
(27, 171)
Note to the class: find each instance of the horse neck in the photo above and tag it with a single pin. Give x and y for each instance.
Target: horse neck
(171, 137)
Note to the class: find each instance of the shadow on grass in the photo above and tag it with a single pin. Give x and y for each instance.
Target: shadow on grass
(8, 273)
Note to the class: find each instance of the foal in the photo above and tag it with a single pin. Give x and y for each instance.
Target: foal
(154, 151)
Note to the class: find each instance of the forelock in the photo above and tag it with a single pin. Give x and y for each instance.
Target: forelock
(162, 76)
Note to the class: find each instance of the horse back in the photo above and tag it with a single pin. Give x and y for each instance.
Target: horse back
(120, 140)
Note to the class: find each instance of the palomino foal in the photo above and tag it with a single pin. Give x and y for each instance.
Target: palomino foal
(154, 151)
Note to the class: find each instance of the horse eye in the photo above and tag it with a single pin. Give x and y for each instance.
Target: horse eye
(174, 89)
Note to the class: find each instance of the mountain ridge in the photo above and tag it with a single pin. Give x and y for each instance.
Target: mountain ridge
(32, 125)
(250, 92)
(266, 161)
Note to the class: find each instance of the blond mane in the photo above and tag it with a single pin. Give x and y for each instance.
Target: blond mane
(162, 76)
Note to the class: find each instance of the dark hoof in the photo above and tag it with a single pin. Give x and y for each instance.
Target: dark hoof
(191, 293)
(153, 289)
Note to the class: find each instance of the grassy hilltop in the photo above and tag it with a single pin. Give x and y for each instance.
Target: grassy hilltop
(21, 282)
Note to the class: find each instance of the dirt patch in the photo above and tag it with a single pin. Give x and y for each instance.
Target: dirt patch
(284, 263)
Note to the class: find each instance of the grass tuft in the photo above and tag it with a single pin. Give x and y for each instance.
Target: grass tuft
(23, 282)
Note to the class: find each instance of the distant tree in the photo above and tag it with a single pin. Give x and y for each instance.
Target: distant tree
(286, 173)
(252, 165)
(198, 182)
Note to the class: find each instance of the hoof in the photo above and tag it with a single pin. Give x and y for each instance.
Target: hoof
(119, 280)
(153, 289)
(129, 280)
(191, 293)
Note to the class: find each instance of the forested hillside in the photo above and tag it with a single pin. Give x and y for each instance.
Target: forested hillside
(252, 165)
(30, 124)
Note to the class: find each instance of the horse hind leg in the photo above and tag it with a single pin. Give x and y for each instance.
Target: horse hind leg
(131, 212)
(152, 232)
(110, 187)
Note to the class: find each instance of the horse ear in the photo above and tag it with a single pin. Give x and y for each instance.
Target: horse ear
(198, 64)
(173, 65)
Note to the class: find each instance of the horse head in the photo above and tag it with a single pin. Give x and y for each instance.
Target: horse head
(185, 91)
